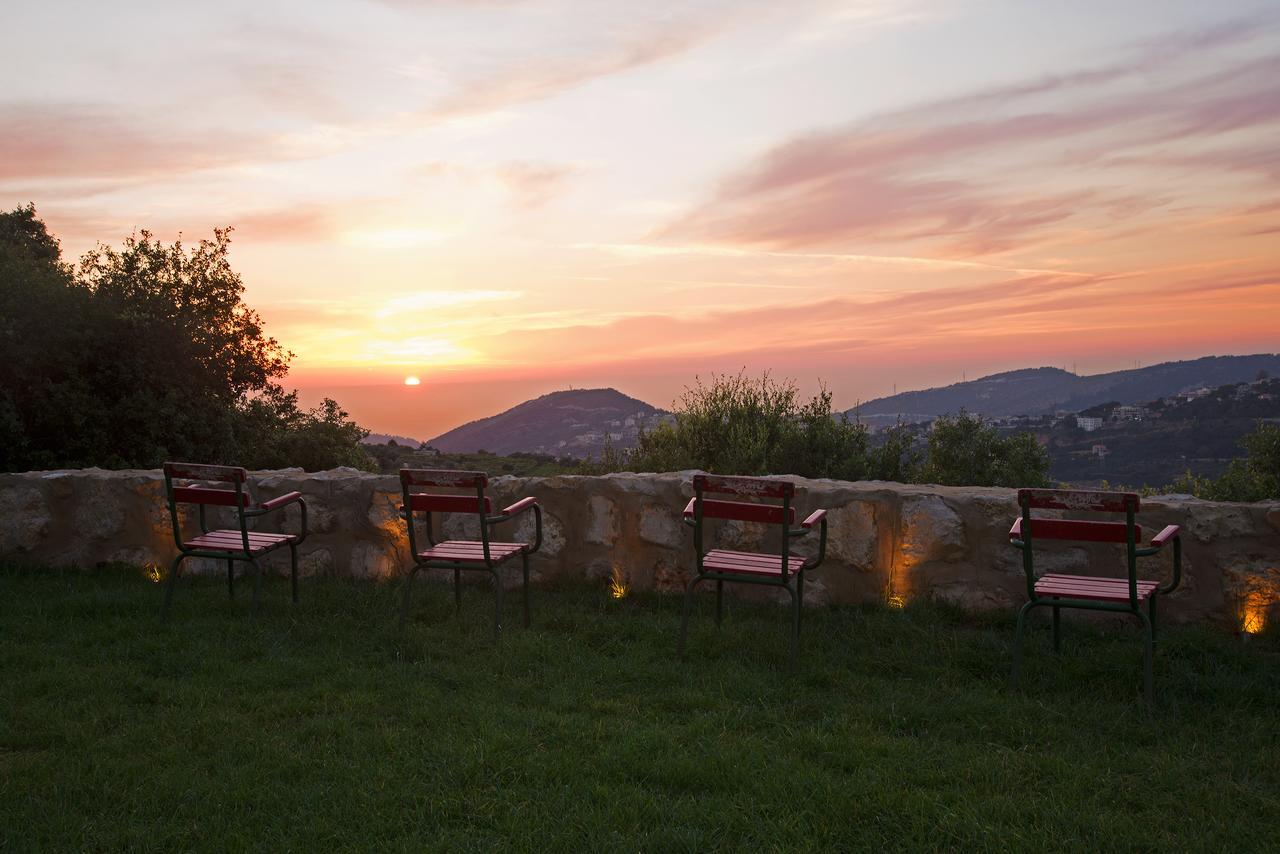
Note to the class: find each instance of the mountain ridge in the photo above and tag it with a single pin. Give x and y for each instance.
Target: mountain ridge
(1038, 391)
(572, 422)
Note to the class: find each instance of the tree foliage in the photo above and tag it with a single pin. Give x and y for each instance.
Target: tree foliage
(142, 354)
(964, 450)
(740, 425)
(1254, 478)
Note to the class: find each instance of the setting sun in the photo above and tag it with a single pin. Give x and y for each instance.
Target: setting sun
(412, 381)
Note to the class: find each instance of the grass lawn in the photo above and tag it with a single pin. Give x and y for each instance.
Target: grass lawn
(322, 727)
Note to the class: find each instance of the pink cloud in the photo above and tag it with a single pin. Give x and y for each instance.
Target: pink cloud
(959, 174)
(80, 141)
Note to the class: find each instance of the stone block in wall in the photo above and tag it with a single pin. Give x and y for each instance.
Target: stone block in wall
(1218, 522)
(931, 530)
(661, 526)
(523, 529)
(852, 535)
(315, 562)
(602, 521)
(373, 560)
(25, 519)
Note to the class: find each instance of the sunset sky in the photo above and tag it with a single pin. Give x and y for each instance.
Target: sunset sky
(508, 197)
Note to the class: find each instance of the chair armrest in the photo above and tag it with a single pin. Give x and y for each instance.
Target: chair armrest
(819, 518)
(516, 509)
(1161, 539)
(281, 501)
(1171, 533)
(687, 515)
(520, 506)
(1015, 534)
(814, 518)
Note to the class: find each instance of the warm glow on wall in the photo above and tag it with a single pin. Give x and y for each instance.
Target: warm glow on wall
(1254, 606)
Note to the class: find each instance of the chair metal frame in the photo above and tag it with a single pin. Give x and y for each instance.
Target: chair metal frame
(1025, 531)
(700, 508)
(239, 543)
(468, 557)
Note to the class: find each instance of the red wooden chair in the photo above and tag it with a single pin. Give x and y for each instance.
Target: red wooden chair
(1094, 593)
(778, 569)
(231, 545)
(483, 555)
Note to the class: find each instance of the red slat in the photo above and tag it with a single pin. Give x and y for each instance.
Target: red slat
(749, 563)
(200, 471)
(752, 487)
(432, 503)
(230, 541)
(468, 551)
(770, 514)
(1076, 529)
(443, 477)
(1093, 588)
(1078, 499)
(204, 495)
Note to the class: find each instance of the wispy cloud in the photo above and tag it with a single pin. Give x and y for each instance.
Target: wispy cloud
(965, 175)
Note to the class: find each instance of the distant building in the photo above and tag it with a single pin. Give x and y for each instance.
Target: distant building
(1088, 423)
(1100, 451)
(1128, 413)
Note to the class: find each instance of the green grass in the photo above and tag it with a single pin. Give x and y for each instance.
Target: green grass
(323, 728)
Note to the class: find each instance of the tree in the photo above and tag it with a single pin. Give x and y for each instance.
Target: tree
(744, 426)
(963, 450)
(1254, 478)
(143, 354)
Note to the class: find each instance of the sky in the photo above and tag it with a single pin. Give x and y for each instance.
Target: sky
(509, 197)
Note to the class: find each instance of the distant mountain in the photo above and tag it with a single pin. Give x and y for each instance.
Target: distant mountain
(387, 438)
(564, 423)
(1035, 391)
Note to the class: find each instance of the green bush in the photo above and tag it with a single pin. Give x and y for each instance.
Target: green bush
(963, 450)
(744, 426)
(143, 354)
(1254, 478)
(739, 425)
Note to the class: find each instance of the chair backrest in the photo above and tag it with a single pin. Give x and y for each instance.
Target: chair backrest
(236, 496)
(1082, 530)
(434, 502)
(216, 496)
(745, 487)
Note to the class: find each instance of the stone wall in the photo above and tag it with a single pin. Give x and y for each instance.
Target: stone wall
(887, 540)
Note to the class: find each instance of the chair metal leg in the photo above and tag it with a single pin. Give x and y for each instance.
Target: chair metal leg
(169, 585)
(525, 569)
(497, 605)
(1151, 605)
(231, 579)
(404, 602)
(1016, 672)
(684, 622)
(257, 586)
(800, 596)
(1148, 650)
(719, 601)
(795, 629)
(1057, 633)
(293, 571)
